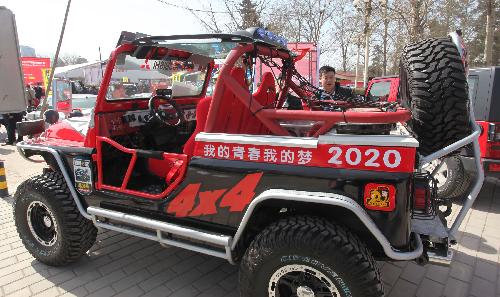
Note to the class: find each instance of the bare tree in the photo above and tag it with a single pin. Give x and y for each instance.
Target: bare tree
(413, 14)
(346, 30)
(308, 20)
(490, 28)
(232, 15)
(212, 23)
(334, 24)
(385, 20)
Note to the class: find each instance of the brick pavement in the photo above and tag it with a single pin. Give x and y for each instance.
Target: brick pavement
(126, 266)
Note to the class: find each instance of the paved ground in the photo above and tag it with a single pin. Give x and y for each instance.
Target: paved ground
(126, 266)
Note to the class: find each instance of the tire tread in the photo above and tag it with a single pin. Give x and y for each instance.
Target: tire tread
(434, 87)
(79, 233)
(321, 237)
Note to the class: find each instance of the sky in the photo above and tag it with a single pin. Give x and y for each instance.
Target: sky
(96, 23)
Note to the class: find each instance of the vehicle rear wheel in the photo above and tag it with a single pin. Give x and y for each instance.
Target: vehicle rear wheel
(433, 86)
(48, 221)
(451, 177)
(308, 256)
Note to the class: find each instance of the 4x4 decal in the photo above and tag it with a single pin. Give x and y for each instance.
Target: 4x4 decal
(236, 199)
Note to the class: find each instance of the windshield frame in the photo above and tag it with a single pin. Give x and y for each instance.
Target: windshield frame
(154, 40)
(103, 105)
(132, 53)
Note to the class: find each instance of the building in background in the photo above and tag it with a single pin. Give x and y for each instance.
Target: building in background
(27, 51)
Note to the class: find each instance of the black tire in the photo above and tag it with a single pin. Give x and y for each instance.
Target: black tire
(452, 178)
(316, 246)
(433, 85)
(44, 206)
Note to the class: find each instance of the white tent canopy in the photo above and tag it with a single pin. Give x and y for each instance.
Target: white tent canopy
(90, 73)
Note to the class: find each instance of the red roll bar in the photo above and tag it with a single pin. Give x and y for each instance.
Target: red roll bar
(270, 117)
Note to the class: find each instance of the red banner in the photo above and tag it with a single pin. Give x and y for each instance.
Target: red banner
(32, 69)
(361, 157)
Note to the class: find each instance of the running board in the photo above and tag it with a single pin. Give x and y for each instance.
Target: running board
(217, 245)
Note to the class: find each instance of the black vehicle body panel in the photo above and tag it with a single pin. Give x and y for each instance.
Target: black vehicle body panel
(223, 174)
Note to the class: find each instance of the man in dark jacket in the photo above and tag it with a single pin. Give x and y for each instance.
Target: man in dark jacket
(331, 88)
(39, 93)
(10, 120)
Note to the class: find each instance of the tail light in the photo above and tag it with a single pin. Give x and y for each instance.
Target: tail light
(424, 191)
(421, 197)
(493, 132)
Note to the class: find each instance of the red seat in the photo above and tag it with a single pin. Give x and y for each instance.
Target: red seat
(233, 116)
(201, 120)
(231, 110)
(265, 96)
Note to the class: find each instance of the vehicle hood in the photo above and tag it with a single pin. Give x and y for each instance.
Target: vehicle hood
(80, 124)
(69, 130)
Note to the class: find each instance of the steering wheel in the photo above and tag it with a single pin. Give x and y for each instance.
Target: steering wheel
(171, 114)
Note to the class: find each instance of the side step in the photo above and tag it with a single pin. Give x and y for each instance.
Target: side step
(217, 245)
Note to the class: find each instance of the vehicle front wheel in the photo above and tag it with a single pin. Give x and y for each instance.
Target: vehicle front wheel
(48, 221)
(308, 256)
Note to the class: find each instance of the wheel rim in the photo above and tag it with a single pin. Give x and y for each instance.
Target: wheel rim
(42, 223)
(441, 175)
(301, 281)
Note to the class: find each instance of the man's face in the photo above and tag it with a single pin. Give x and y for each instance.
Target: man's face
(119, 92)
(328, 81)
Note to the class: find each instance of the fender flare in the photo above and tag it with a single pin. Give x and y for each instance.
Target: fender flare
(333, 200)
(20, 146)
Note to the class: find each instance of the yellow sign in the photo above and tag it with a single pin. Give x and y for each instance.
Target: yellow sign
(379, 198)
(177, 76)
(46, 77)
(125, 79)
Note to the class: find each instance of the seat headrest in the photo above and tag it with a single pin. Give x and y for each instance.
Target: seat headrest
(239, 75)
(267, 82)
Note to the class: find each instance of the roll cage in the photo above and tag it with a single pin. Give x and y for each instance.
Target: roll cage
(247, 49)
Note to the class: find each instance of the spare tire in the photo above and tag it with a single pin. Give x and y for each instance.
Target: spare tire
(433, 85)
(452, 178)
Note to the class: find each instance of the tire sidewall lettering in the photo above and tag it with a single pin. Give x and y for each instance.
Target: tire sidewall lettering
(297, 259)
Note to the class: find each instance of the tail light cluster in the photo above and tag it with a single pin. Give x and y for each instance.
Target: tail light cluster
(493, 132)
(424, 194)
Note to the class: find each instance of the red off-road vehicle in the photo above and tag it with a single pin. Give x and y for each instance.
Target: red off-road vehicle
(304, 200)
